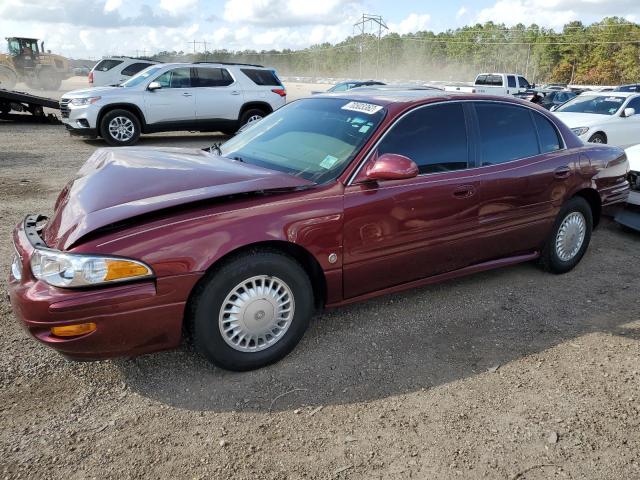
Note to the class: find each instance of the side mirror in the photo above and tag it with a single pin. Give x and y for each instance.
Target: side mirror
(390, 166)
(154, 86)
(629, 112)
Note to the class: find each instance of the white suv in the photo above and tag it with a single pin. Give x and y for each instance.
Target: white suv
(116, 70)
(206, 97)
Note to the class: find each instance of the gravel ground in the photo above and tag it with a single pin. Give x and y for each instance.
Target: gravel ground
(510, 374)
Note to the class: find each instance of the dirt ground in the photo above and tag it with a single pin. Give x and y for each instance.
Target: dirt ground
(509, 374)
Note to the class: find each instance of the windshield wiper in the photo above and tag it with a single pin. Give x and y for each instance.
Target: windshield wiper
(215, 148)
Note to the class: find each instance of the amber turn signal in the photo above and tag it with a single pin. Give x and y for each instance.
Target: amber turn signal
(119, 269)
(73, 330)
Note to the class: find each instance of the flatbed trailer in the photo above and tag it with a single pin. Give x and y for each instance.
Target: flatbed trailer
(14, 105)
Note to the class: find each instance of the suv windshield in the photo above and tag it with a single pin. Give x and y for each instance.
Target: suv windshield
(312, 138)
(598, 104)
(141, 77)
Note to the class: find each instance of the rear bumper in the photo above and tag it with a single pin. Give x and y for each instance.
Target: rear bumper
(131, 319)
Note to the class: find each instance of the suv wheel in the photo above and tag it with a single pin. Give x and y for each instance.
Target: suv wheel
(120, 128)
(253, 311)
(251, 115)
(569, 238)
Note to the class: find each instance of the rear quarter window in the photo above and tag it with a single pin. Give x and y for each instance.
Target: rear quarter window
(134, 68)
(265, 78)
(106, 65)
(549, 138)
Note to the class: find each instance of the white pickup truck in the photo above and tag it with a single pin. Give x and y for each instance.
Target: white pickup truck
(494, 84)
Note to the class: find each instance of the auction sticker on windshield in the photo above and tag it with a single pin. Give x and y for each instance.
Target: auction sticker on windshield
(362, 107)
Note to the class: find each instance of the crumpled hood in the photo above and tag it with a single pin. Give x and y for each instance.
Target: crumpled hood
(575, 119)
(120, 183)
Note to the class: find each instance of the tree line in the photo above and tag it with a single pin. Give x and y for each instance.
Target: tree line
(602, 53)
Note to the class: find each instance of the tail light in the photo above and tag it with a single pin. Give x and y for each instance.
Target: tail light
(90, 78)
(280, 91)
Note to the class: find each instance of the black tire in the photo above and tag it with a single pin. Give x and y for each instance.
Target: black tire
(112, 140)
(249, 114)
(550, 259)
(8, 78)
(598, 138)
(49, 79)
(209, 299)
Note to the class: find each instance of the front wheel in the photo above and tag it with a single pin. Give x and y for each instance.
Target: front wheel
(252, 311)
(120, 128)
(598, 138)
(569, 237)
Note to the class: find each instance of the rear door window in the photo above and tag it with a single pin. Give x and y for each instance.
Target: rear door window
(106, 65)
(511, 81)
(506, 133)
(213, 77)
(434, 137)
(495, 80)
(134, 68)
(176, 78)
(264, 78)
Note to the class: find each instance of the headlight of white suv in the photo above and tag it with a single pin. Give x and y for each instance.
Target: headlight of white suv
(78, 102)
(579, 131)
(70, 270)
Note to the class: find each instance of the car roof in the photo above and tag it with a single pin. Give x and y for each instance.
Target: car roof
(412, 96)
(608, 94)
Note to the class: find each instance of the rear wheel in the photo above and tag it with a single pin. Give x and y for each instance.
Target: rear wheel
(251, 115)
(598, 138)
(120, 128)
(569, 237)
(252, 311)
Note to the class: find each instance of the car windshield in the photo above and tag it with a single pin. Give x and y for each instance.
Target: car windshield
(598, 104)
(311, 138)
(141, 77)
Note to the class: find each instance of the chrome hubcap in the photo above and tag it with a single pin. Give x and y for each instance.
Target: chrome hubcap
(570, 236)
(121, 128)
(253, 118)
(256, 314)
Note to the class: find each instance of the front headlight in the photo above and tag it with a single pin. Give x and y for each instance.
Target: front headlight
(74, 270)
(579, 131)
(84, 101)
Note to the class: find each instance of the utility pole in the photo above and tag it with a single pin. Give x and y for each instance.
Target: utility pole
(373, 21)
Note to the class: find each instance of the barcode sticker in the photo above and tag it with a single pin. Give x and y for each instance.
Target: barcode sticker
(368, 108)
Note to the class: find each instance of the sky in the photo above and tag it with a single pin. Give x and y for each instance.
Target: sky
(94, 28)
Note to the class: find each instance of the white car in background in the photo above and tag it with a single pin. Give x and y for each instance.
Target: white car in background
(116, 70)
(633, 155)
(603, 117)
(630, 216)
(201, 97)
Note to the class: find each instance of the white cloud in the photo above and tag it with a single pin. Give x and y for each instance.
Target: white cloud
(462, 12)
(555, 13)
(111, 5)
(282, 13)
(176, 7)
(413, 23)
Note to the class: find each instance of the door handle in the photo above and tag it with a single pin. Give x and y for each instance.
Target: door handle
(562, 172)
(235, 92)
(187, 94)
(464, 191)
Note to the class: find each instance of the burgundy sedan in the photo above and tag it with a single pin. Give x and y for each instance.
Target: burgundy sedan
(329, 200)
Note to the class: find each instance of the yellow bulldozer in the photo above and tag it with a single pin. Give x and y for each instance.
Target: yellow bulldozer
(28, 62)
